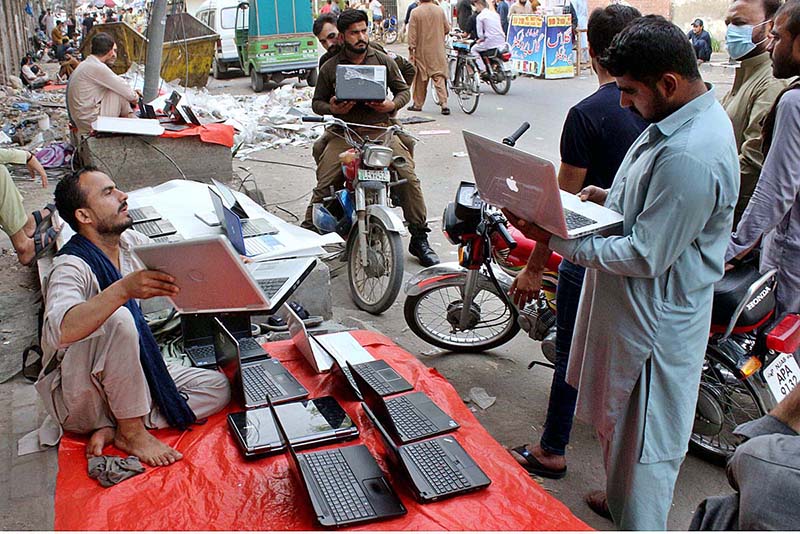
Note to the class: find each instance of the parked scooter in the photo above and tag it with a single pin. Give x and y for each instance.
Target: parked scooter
(389, 34)
(749, 364)
(361, 214)
(464, 306)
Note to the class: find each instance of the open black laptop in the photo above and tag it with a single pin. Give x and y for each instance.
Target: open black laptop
(411, 417)
(345, 485)
(198, 337)
(262, 379)
(309, 423)
(437, 468)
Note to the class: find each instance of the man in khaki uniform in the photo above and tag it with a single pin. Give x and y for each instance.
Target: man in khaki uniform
(754, 89)
(352, 26)
(95, 91)
(427, 31)
(103, 371)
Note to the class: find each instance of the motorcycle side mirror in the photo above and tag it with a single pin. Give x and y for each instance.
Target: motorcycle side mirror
(399, 162)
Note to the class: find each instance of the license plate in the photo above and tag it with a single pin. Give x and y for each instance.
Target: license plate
(782, 376)
(371, 175)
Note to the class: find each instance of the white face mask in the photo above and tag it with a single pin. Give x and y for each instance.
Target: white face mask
(739, 39)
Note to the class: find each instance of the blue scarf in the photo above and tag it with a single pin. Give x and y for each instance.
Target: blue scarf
(162, 388)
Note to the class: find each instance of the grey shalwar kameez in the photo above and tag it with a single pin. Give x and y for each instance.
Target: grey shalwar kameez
(645, 310)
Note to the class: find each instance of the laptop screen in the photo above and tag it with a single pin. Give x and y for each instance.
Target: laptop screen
(197, 328)
(227, 350)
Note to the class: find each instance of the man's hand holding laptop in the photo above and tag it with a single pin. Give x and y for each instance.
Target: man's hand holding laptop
(531, 230)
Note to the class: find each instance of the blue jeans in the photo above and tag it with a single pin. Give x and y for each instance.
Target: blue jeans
(561, 407)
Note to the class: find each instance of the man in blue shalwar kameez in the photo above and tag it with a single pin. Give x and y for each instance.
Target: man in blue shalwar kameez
(645, 311)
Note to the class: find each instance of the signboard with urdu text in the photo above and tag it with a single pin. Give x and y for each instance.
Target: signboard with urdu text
(558, 49)
(526, 37)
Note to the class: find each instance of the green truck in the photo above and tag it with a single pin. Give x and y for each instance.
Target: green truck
(274, 41)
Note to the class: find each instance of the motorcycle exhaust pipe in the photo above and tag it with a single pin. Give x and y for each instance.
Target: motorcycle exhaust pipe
(399, 162)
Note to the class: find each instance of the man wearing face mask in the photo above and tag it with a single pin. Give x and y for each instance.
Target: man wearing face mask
(754, 87)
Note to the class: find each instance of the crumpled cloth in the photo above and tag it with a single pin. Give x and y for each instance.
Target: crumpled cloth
(111, 470)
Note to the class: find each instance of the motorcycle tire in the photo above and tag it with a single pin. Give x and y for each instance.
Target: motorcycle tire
(499, 80)
(390, 36)
(446, 340)
(724, 402)
(392, 250)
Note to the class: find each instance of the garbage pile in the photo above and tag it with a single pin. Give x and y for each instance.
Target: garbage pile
(32, 119)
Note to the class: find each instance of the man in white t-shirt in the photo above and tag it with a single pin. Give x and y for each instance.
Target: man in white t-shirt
(376, 10)
(489, 30)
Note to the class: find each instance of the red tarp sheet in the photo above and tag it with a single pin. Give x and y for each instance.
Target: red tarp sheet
(215, 133)
(214, 488)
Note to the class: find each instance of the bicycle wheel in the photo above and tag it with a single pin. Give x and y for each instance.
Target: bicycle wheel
(468, 83)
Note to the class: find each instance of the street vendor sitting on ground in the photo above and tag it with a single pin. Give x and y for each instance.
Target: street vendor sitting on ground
(95, 91)
(32, 74)
(353, 35)
(103, 372)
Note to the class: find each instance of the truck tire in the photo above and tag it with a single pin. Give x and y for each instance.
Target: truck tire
(311, 77)
(218, 70)
(256, 80)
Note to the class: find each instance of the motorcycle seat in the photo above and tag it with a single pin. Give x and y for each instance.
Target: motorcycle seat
(492, 52)
(730, 291)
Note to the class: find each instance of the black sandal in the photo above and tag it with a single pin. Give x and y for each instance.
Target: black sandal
(535, 467)
(43, 221)
(43, 242)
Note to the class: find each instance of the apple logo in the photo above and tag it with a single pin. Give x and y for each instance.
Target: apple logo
(512, 184)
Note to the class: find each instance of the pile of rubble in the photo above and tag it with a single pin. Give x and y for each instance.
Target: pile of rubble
(32, 119)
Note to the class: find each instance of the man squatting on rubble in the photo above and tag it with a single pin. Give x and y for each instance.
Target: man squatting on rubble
(95, 91)
(353, 36)
(103, 372)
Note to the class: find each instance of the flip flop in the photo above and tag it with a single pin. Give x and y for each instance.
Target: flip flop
(42, 221)
(414, 108)
(535, 467)
(43, 242)
(445, 111)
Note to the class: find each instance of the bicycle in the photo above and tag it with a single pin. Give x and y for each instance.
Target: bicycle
(464, 79)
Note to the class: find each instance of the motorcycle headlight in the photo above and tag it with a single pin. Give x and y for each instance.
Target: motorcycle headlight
(377, 156)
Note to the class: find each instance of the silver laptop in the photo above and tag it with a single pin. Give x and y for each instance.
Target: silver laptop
(527, 186)
(213, 278)
(323, 351)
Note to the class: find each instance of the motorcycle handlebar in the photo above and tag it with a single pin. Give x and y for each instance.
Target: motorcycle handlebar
(511, 140)
(312, 118)
(511, 243)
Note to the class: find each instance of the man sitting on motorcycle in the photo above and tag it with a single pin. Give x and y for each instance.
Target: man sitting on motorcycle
(328, 36)
(489, 31)
(353, 35)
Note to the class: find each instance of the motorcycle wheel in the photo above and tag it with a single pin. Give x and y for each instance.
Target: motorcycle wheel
(390, 36)
(427, 316)
(723, 403)
(469, 92)
(376, 287)
(499, 80)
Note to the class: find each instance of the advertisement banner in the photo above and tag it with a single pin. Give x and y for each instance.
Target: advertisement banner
(558, 50)
(526, 37)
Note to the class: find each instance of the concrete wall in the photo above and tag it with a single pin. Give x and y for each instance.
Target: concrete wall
(16, 27)
(711, 11)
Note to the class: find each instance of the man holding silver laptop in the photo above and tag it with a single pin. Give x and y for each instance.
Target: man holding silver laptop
(103, 372)
(645, 310)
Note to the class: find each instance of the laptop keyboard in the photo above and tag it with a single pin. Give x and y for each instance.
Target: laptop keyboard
(174, 238)
(152, 228)
(255, 227)
(258, 384)
(255, 247)
(270, 286)
(377, 382)
(202, 353)
(137, 214)
(576, 220)
(407, 419)
(339, 486)
(249, 344)
(430, 458)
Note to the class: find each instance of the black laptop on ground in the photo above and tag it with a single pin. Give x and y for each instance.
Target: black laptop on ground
(198, 337)
(262, 379)
(437, 468)
(308, 422)
(239, 325)
(345, 485)
(410, 417)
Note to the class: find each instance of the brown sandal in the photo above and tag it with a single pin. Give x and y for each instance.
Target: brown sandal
(598, 502)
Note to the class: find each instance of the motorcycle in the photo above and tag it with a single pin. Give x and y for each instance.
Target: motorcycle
(360, 213)
(464, 306)
(389, 35)
(498, 72)
(749, 362)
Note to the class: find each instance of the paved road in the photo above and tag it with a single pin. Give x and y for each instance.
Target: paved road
(522, 394)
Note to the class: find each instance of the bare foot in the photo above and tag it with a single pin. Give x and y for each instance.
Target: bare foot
(146, 447)
(101, 437)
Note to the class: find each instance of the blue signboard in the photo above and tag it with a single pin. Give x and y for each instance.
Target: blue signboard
(526, 39)
(558, 54)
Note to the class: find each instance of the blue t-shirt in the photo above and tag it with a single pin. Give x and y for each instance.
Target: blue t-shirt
(598, 133)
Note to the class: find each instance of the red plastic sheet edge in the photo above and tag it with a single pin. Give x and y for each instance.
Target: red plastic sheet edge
(218, 134)
(214, 488)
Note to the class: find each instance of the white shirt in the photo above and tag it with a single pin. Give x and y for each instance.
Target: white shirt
(490, 30)
(448, 11)
(376, 7)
